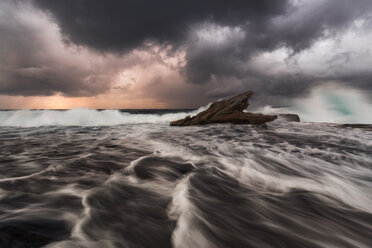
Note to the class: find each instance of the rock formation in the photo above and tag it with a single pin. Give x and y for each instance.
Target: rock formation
(290, 117)
(226, 111)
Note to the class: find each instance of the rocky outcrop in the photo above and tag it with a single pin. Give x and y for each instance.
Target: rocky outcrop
(290, 117)
(226, 111)
(361, 126)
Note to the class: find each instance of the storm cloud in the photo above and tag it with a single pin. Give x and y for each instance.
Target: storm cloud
(250, 27)
(297, 29)
(116, 25)
(35, 63)
(31, 65)
(272, 47)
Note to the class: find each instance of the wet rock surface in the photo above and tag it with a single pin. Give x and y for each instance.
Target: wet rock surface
(227, 111)
(290, 117)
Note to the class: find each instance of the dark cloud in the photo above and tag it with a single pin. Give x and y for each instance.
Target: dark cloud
(121, 25)
(47, 81)
(117, 25)
(310, 21)
(297, 29)
(220, 38)
(34, 63)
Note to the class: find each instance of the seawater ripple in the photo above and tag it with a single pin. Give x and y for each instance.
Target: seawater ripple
(151, 185)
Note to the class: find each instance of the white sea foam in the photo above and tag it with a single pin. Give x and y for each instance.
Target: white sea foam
(84, 117)
(186, 233)
(329, 103)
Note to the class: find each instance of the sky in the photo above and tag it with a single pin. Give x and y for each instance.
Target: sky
(179, 53)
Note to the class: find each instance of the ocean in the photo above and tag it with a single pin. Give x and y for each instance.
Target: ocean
(110, 178)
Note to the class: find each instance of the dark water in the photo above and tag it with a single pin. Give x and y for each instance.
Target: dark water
(151, 185)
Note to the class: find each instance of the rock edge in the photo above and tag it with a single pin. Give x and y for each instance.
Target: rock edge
(227, 111)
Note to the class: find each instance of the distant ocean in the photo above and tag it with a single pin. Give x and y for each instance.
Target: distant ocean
(110, 178)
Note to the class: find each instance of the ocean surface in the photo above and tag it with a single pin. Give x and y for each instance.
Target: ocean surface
(88, 178)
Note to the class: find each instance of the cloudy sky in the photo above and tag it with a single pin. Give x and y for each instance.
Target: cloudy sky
(179, 53)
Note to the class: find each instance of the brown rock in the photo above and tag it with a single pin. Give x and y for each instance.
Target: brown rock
(226, 111)
(290, 117)
(363, 126)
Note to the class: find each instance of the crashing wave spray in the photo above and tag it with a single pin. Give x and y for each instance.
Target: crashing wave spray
(84, 117)
(330, 103)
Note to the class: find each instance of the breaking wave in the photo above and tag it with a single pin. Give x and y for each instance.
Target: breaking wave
(331, 104)
(285, 184)
(85, 117)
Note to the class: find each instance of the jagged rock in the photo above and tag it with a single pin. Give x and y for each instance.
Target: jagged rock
(362, 126)
(290, 117)
(226, 111)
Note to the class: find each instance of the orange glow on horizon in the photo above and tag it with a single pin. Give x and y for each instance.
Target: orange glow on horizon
(62, 102)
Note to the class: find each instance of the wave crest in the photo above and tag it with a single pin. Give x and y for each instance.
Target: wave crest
(331, 104)
(84, 117)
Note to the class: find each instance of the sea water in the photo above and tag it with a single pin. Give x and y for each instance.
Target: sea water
(110, 178)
